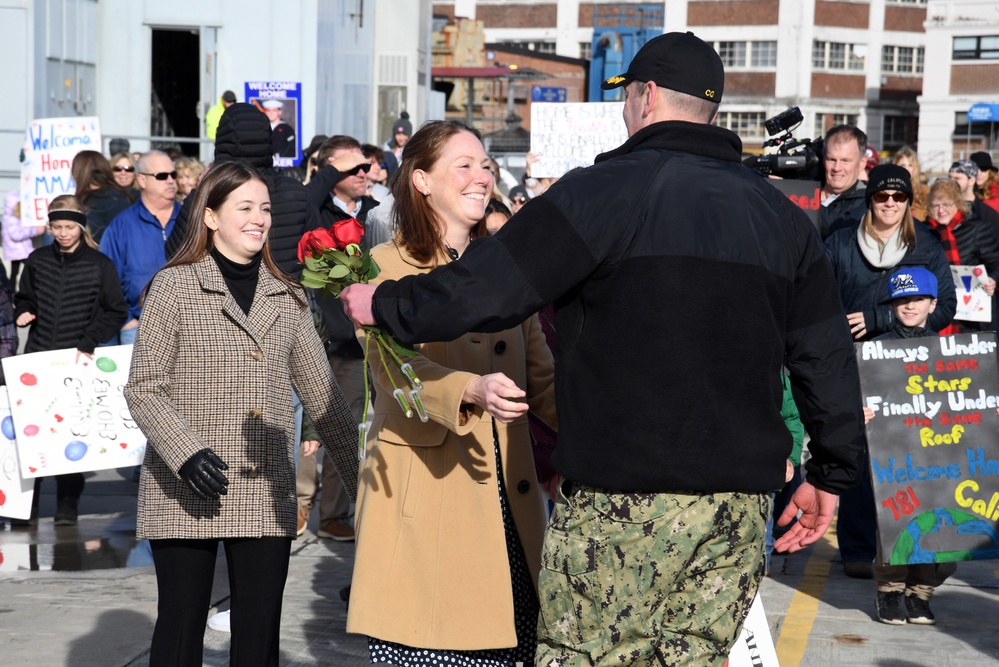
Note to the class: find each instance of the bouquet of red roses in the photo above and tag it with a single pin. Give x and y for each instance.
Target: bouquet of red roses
(333, 260)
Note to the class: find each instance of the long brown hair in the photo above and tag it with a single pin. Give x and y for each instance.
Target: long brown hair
(418, 227)
(213, 191)
(92, 173)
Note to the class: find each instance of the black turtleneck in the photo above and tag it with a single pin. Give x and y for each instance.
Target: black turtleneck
(241, 279)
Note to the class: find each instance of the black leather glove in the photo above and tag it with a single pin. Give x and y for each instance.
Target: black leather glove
(203, 474)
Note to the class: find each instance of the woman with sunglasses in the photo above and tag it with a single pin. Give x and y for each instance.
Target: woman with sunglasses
(863, 258)
(966, 240)
(98, 192)
(123, 167)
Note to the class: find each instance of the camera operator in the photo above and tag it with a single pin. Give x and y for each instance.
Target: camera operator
(843, 201)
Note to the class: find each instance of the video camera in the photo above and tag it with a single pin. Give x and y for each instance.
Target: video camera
(795, 158)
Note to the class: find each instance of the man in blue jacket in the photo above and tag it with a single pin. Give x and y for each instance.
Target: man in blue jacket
(681, 281)
(136, 238)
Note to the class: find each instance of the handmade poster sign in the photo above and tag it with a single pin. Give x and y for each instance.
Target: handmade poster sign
(934, 446)
(69, 413)
(973, 303)
(566, 136)
(16, 492)
(50, 145)
(755, 646)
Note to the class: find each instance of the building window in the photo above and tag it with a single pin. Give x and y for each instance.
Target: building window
(901, 60)
(539, 46)
(747, 124)
(976, 48)
(742, 55)
(845, 119)
(837, 56)
(893, 132)
(906, 2)
(585, 50)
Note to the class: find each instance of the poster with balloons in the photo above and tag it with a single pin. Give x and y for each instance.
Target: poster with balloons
(15, 491)
(69, 413)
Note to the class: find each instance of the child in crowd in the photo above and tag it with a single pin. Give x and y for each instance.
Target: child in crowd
(904, 591)
(17, 243)
(71, 297)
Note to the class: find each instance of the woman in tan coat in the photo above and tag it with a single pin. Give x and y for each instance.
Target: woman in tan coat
(224, 335)
(450, 516)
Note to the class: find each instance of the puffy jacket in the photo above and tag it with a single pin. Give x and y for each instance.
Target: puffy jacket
(244, 135)
(17, 243)
(845, 211)
(647, 256)
(864, 287)
(135, 243)
(76, 299)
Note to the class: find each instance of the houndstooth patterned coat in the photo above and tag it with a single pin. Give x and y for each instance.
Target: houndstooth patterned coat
(204, 374)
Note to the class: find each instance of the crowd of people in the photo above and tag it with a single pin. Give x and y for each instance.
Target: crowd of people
(650, 550)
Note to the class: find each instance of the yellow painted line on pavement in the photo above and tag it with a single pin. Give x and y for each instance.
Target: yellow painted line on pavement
(804, 605)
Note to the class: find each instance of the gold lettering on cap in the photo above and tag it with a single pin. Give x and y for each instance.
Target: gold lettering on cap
(615, 79)
(709, 93)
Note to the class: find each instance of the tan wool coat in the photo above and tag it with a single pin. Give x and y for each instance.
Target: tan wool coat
(431, 567)
(205, 374)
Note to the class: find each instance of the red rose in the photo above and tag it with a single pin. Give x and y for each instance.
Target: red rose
(315, 242)
(346, 232)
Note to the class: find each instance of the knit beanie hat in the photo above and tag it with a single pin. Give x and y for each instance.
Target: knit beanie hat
(888, 177)
(402, 125)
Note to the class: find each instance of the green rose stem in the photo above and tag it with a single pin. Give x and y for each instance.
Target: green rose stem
(404, 367)
(399, 396)
(414, 396)
(362, 428)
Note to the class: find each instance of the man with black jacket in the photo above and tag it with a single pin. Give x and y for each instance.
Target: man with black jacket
(681, 283)
(843, 201)
(339, 190)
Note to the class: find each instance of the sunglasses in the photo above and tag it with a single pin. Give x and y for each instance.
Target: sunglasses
(882, 197)
(519, 200)
(163, 175)
(127, 169)
(365, 167)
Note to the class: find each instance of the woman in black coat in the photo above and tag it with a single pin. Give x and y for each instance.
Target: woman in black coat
(863, 259)
(98, 191)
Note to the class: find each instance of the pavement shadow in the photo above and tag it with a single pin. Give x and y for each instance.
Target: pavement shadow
(104, 644)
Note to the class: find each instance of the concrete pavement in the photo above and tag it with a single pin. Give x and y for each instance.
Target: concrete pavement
(68, 596)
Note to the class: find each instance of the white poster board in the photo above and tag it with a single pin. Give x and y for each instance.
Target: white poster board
(49, 148)
(16, 492)
(567, 136)
(973, 303)
(755, 646)
(70, 414)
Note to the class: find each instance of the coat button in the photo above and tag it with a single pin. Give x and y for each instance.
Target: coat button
(523, 486)
(500, 347)
(256, 355)
(255, 413)
(254, 471)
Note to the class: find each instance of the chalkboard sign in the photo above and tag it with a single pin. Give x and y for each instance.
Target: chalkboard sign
(934, 446)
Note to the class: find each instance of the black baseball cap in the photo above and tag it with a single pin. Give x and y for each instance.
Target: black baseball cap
(680, 61)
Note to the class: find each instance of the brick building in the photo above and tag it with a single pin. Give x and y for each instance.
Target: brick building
(855, 61)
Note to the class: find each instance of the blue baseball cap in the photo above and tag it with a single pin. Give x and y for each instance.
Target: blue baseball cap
(912, 281)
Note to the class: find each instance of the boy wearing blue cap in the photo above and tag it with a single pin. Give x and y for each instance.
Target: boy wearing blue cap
(904, 591)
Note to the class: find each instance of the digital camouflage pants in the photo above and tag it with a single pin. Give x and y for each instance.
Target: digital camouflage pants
(648, 579)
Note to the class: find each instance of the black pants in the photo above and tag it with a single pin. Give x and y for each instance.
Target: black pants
(258, 568)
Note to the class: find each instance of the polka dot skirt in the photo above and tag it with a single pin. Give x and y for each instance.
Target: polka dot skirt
(525, 612)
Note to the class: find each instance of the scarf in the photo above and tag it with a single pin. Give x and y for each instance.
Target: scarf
(949, 243)
(887, 256)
